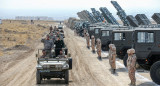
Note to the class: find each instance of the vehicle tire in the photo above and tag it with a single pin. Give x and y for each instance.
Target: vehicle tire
(146, 67)
(66, 76)
(70, 63)
(38, 77)
(125, 60)
(155, 72)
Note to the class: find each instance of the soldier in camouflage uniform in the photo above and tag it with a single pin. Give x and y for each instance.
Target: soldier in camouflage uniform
(131, 65)
(48, 45)
(113, 58)
(88, 40)
(110, 53)
(84, 32)
(99, 48)
(93, 43)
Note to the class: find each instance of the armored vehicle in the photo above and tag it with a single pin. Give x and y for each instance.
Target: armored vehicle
(53, 67)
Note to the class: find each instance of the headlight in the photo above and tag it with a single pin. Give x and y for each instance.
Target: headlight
(66, 66)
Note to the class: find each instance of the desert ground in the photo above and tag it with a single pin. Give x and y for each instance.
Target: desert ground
(20, 41)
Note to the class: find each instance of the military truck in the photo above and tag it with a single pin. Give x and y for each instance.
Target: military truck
(123, 41)
(49, 67)
(106, 35)
(146, 42)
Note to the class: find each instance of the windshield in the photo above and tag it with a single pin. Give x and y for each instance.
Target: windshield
(145, 37)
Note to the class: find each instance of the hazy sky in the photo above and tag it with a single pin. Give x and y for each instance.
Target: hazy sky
(62, 9)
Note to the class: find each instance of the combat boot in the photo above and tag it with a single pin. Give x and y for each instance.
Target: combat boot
(114, 71)
(93, 51)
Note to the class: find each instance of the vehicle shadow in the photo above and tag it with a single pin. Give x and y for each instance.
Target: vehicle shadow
(121, 70)
(105, 57)
(53, 83)
(147, 84)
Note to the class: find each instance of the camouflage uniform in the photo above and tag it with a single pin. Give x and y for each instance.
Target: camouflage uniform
(113, 58)
(99, 47)
(110, 53)
(88, 40)
(84, 32)
(131, 65)
(93, 43)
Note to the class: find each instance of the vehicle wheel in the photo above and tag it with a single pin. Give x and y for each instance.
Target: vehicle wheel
(155, 72)
(146, 67)
(125, 60)
(38, 77)
(66, 76)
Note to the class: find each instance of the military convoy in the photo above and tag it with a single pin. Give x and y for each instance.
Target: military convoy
(137, 32)
(56, 62)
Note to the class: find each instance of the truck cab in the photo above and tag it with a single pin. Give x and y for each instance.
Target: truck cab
(147, 45)
(123, 41)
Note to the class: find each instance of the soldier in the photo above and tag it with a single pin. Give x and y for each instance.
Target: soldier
(131, 65)
(55, 28)
(84, 32)
(48, 45)
(88, 40)
(93, 43)
(61, 55)
(110, 53)
(113, 59)
(44, 54)
(52, 37)
(99, 48)
(59, 45)
(51, 29)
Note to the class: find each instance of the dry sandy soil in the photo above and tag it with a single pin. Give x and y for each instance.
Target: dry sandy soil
(87, 69)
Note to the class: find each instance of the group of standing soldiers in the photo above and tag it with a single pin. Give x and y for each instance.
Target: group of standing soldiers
(93, 42)
(131, 61)
(53, 41)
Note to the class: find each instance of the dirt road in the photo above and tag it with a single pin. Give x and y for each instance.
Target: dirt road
(87, 69)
